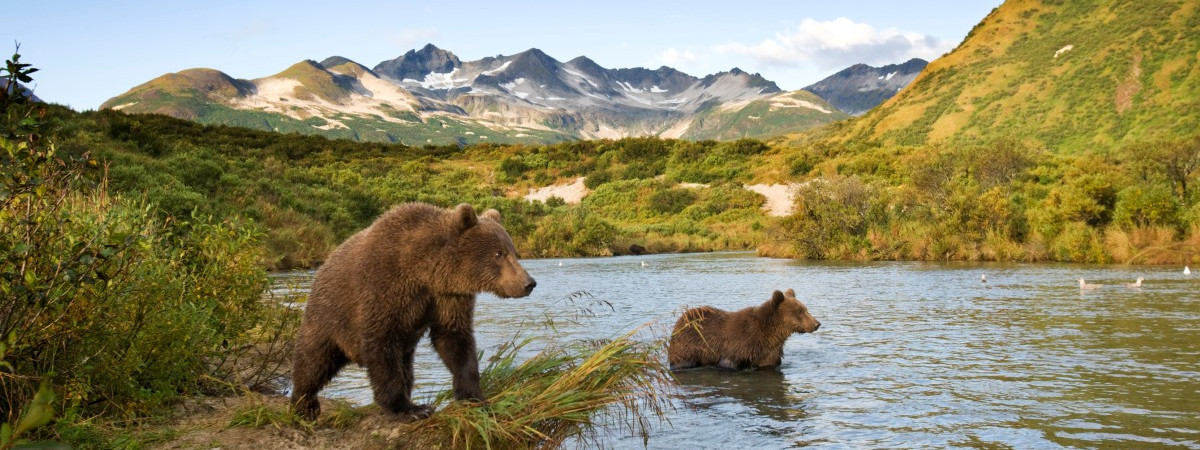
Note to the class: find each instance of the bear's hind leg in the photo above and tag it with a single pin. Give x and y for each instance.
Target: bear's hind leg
(311, 374)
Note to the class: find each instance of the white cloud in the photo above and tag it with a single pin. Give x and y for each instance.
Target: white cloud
(673, 57)
(414, 38)
(839, 43)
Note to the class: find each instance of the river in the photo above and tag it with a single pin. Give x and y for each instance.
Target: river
(909, 354)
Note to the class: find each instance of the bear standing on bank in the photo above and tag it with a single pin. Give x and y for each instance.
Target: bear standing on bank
(747, 338)
(416, 269)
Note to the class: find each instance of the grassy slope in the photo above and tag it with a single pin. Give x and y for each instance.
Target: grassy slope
(761, 119)
(1130, 75)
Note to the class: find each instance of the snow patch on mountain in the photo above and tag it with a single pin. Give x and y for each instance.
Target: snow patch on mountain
(440, 81)
(629, 87)
(581, 76)
(497, 70)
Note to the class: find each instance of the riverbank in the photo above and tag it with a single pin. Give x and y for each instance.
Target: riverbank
(257, 421)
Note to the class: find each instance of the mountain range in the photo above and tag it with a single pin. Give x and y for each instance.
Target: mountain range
(858, 88)
(430, 96)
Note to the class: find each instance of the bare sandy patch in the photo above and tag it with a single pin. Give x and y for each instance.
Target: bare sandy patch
(779, 197)
(570, 193)
(676, 131)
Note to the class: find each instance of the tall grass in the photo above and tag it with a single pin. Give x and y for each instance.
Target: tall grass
(1151, 245)
(564, 392)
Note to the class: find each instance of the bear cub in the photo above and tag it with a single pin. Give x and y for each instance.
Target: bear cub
(748, 338)
(416, 269)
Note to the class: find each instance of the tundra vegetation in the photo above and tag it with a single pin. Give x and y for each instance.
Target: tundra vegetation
(134, 248)
(1003, 199)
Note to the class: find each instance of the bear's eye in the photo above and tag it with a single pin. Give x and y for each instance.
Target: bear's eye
(499, 253)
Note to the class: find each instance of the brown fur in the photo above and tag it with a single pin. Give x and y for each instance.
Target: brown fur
(416, 269)
(748, 338)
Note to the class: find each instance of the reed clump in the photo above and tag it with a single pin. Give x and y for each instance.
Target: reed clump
(573, 391)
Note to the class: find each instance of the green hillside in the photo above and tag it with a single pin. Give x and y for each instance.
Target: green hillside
(1066, 75)
(190, 94)
(788, 112)
(1058, 130)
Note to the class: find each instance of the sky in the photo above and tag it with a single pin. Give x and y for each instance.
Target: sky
(90, 51)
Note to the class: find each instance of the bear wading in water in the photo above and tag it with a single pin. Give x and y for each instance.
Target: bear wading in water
(417, 268)
(747, 338)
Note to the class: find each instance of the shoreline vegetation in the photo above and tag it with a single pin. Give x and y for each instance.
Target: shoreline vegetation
(135, 251)
(1004, 200)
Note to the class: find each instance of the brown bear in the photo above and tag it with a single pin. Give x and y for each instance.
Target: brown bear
(417, 268)
(748, 338)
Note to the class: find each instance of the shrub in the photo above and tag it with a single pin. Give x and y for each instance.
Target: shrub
(828, 213)
(1146, 204)
(577, 232)
(119, 310)
(671, 200)
(1079, 243)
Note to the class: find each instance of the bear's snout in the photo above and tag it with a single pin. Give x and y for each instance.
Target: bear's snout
(517, 286)
(810, 325)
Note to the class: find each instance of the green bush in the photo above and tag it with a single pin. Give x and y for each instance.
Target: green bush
(118, 309)
(1146, 205)
(577, 232)
(671, 201)
(830, 214)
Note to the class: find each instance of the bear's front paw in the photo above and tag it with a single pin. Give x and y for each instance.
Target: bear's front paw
(420, 412)
(473, 396)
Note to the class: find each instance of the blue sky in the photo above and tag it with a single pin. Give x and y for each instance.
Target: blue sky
(90, 51)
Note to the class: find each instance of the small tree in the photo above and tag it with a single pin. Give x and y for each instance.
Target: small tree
(1178, 161)
(1146, 204)
(15, 73)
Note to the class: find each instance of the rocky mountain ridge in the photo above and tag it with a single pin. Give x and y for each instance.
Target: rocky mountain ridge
(429, 95)
(858, 88)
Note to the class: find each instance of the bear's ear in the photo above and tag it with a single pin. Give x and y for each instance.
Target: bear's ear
(777, 299)
(491, 214)
(464, 217)
(790, 293)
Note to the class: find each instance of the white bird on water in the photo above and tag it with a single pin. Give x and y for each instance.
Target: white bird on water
(644, 264)
(1083, 285)
(983, 278)
(1187, 271)
(1135, 284)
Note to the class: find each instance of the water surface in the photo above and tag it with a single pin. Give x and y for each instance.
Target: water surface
(909, 355)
